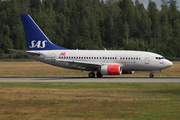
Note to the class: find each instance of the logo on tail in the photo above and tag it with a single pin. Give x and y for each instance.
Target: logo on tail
(35, 44)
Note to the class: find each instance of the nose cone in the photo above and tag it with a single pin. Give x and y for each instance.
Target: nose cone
(169, 63)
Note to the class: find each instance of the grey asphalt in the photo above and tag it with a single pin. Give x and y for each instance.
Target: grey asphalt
(95, 80)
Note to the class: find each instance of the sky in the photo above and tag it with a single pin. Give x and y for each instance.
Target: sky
(158, 3)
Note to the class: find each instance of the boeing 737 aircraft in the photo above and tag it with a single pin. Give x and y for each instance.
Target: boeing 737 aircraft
(105, 62)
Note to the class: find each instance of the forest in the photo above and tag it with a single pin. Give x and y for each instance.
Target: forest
(95, 24)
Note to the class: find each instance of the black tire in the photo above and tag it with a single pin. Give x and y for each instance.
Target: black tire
(91, 75)
(151, 75)
(99, 75)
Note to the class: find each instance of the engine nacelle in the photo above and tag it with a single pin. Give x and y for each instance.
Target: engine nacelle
(111, 70)
(127, 72)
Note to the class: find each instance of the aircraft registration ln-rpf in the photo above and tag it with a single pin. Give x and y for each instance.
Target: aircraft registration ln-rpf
(105, 62)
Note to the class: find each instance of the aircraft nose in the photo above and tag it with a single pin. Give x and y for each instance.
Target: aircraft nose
(169, 63)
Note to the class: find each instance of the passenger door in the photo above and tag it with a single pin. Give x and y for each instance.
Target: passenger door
(147, 59)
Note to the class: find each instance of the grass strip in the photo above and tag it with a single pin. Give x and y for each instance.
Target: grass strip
(33, 69)
(143, 101)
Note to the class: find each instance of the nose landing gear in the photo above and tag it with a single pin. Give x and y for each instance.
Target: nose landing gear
(156, 71)
(151, 75)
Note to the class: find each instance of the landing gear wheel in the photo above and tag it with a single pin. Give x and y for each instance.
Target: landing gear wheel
(99, 75)
(91, 75)
(151, 75)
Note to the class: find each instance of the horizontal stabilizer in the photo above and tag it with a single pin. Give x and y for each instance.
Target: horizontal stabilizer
(21, 51)
(25, 52)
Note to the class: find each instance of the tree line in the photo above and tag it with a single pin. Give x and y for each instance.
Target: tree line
(95, 24)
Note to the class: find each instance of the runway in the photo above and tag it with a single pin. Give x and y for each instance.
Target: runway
(92, 80)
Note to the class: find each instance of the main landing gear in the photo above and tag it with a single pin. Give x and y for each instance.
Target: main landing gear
(99, 75)
(92, 75)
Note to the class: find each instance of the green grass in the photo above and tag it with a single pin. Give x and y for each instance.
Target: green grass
(126, 101)
(94, 85)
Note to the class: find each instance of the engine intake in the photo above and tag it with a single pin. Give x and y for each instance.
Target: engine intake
(111, 70)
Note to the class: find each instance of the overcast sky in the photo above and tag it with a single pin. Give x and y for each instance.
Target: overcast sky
(158, 3)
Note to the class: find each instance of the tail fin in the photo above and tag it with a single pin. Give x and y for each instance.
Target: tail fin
(35, 37)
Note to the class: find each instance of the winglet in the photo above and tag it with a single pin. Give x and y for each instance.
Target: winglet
(35, 37)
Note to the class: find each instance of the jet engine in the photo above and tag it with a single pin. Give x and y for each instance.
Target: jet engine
(127, 72)
(111, 70)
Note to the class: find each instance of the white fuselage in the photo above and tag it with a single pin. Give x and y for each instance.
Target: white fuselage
(130, 60)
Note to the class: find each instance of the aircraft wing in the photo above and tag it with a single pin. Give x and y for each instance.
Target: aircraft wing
(82, 63)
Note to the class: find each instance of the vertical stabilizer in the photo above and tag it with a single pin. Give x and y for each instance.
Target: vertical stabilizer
(35, 37)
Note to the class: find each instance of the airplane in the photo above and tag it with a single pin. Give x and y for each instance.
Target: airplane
(104, 62)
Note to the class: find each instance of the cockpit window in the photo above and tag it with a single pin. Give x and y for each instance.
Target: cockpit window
(159, 58)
